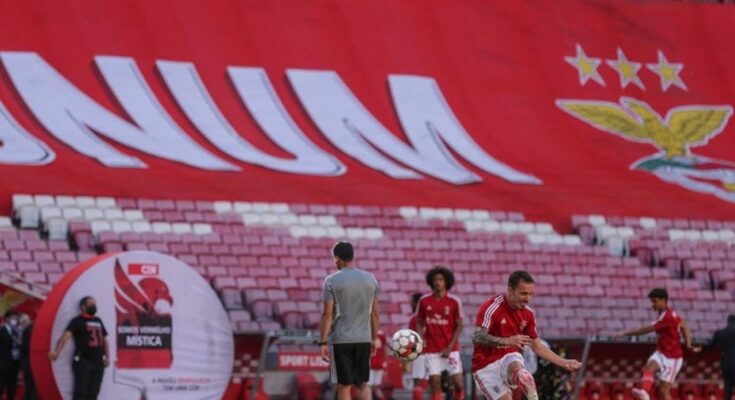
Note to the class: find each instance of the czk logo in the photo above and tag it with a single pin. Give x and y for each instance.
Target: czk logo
(143, 269)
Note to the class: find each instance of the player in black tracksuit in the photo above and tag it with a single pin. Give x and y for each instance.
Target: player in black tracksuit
(90, 352)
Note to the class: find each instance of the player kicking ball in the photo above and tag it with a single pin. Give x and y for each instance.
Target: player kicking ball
(666, 361)
(503, 326)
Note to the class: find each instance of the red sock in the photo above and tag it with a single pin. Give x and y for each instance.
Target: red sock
(458, 394)
(418, 393)
(437, 396)
(647, 381)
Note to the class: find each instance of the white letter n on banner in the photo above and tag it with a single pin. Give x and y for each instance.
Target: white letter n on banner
(428, 122)
(17, 146)
(73, 117)
(258, 95)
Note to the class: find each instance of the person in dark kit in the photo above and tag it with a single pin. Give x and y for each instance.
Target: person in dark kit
(26, 326)
(91, 350)
(9, 354)
(725, 340)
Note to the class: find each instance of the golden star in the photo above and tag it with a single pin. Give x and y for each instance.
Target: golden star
(668, 72)
(627, 70)
(586, 67)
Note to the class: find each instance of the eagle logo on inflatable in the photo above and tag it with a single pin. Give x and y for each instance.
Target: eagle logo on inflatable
(136, 301)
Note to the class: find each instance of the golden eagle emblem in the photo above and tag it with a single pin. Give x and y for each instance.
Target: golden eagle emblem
(674, 135)
(683, 126)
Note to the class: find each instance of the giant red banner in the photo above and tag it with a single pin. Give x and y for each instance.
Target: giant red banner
(546, 107)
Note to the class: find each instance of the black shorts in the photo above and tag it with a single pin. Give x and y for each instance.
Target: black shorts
(350, 363)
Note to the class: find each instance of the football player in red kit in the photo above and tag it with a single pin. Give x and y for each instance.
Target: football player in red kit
(503, 326)
(439, 322)
(666, 361)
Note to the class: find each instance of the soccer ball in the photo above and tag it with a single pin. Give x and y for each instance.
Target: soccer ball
(406, 345)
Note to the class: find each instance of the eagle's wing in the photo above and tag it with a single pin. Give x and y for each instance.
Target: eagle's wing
(127, 294)
(694, 125)
(608, 117)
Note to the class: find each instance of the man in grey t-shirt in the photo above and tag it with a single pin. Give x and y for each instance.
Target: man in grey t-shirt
(349, 323)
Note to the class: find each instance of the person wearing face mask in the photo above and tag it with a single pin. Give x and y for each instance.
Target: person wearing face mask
(9, 354)
(91, 350)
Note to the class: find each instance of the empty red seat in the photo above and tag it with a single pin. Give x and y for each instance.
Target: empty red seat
(218, 271)
(8, 266)
(36, 244)
(82, 241)
(224, 282)
(261, 309)
(50, 266)
(238, 315)
(68, 266)
(194, 217)
(204, 206)
(27, 266)
(42, 256)
(54, 277)
(276, 294)
(307, 307)
(312, 320)
(294, 321)
(205, 259)
(266, 283)
(36, 277)
(136, 246)
(56, 245)
(8, 234)
(307, 387)
(287, 283)
(245, 282)
(299, 295)
(308, 283)
(112, 247)
(21, 255)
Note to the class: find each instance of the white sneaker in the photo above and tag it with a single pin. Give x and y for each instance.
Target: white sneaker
(640, 394)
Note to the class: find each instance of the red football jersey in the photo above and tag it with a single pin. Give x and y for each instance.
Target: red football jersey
(667, 330)
(440, 316)
(377, 361)
(501, 320)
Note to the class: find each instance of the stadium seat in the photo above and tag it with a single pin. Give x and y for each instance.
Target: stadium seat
(261, 309)
(307, 386)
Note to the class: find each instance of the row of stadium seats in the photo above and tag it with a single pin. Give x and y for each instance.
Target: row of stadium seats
(616, 390)
(617, 233)
(651, 223)
(630, 370)
(608, 378)
(269, 276)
